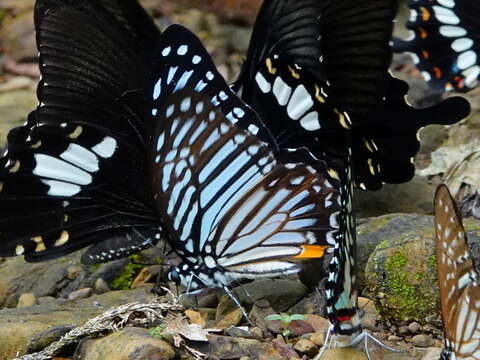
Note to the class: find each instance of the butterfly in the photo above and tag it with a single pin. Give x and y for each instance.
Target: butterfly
(234, 205)
(457, 280)
(74, 174)
(100, 164)
(444, 42)
(317, 75)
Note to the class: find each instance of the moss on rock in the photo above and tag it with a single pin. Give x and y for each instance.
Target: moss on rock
(124, 280)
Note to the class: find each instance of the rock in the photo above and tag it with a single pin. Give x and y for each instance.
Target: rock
(26, 300)
(306, 347)
(432, 354)
(286, 351)
(281, 294)
(344, 353)
(415, 196)
(403, 330)
(101, 286)
(225, 347)
(80, 294)
(368, 314)
(26, 323)
(43, 339)
(318, 323)
(414, 327)
(243, 331)
(300, 327)
(18, 37)
(73, 271)
(403, 266)
(46, 300)
(394, 338)
(318, 338)
(422, 340)
(128, 344)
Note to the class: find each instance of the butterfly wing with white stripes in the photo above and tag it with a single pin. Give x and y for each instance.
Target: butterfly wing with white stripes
(444, 42)
(74, 175)
(318, 70)
(458, 282)
(234, 206)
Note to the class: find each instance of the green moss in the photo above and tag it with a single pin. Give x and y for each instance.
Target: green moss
(432, 262)
(130, 272)
(403, 301)
(471, 226)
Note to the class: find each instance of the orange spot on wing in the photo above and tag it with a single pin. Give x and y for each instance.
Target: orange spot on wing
(437, 72)
(423, 33)
(425, 54)
(425, 14)
(311, 252)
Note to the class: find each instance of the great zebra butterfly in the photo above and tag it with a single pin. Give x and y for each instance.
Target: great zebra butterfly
(458, 281)
(317, 74)
(91, 167)
(444, 42)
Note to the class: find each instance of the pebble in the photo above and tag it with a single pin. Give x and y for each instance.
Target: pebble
(101, 286)
(432, 354)
(403, 330)
(80, 293)
(307, 347)
(73, 271)
(318, 338)
(422, 340)
(26, 300)
(414, 327)
(394, 338)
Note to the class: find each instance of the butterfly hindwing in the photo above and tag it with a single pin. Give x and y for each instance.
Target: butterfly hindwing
(458, 281)
(444, 42)
(74, 175)
(235, 205)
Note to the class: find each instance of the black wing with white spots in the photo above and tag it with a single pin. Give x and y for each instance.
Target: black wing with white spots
(444, 42)
(74, 175)
(234, 206)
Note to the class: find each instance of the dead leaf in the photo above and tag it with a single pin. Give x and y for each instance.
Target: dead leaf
(179, 325)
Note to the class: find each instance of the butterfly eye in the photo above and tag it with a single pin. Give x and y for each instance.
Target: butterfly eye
(174, 276)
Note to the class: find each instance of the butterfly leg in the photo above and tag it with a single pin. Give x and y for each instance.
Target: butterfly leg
(237, 302)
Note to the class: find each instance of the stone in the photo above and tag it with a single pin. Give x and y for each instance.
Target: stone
(414, 327)
(306, 347)
(231, 319)
(404, 330)
(80, 294)
(432, 354)
(394, 338)
(101, 286)
(26, 300)
(73, 271)
(127, 344)
(43, 339)
(300, 327)
(344, 353)
(402, 266)
(243, 331)
(422, 340)
(19, 326)
(286, 351)
(318, 338)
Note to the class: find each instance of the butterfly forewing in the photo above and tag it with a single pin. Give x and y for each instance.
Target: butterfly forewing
(458, 281)
(444, 42)
(74, 174)
(234, 202)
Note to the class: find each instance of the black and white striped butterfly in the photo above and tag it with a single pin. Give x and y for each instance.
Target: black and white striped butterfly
(458, 281)
(317, 75)
(75, 174)
(233, 204)
(444, 42)
(91, 167)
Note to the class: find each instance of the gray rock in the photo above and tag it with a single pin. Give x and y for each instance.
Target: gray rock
(414, 327)
(101, 286)
(18, 326)
(403, 330)
(43, 339)
(422, 340)
(415, 196)
(127, 344)
(80, 294)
